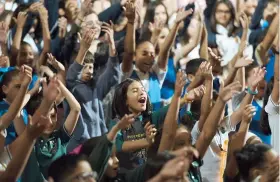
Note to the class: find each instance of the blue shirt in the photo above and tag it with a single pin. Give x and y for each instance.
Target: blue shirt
(11, 132)
(167, 90)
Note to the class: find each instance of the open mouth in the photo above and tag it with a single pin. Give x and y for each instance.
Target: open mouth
(142, 100)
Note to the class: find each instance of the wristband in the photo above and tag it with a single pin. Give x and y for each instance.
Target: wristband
(251, 92)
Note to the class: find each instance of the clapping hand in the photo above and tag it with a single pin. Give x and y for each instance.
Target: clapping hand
(151, 132)
(248, 113)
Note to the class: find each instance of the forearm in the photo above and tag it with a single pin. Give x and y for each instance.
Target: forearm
(164, 52)
(111, 136)
(129, 47)
(72, 101)
(206, 103)
(275, 90)
(195, 83)
(81, 55)
(47, 43)
(210, 127)
(203, 52)
(131, 146)
(170, 125)
(157, 178)
(231, 76)
(20, 150)
(241, 77)
(14, 108)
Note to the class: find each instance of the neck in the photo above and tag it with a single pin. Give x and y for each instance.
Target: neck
(135, 113)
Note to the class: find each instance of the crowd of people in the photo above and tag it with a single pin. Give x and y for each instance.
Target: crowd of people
(139, 90)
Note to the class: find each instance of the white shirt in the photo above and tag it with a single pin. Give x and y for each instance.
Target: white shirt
(214, 160)
(273, 117)
(144, 77)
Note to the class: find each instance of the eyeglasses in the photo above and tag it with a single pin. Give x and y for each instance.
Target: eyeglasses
(84, 177)
(222, 11)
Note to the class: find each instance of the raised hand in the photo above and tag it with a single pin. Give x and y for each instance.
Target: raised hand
(62, 24)
(86, 40)
(181, 80)
(248, 113)
(229, 91)
(109, 30)
(56, 64)
(34, 7)
(4, 61)
(244, 21)
(51, 91)
(182, 14)
(125, 122)
(43, 12)
(21, 19)
(3, 32)
(156, 27)
(206, 71)
(151, 132)
(130, 11)
(195, 94)
(258, 75)
(36, 128)
(26, 74)
(243, 62)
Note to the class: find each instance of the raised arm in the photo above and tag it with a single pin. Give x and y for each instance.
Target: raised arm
(23, 145)
(129, 45)
(43, 13)
(20, 21)
(8, 117)
(171, 118)
(75, 109)
(237, 141)
(164, 52)
(203, 51)
(207, 97)
(3, 38)
(212, 121)
(253, 83)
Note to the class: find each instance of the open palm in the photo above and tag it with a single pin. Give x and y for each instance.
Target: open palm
(243, 62)
(182, 14)
(258, 76)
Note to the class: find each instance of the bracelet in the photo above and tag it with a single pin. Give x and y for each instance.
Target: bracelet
(251, 92)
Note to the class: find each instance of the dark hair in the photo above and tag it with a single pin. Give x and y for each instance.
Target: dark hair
(6, 79)
(142, 41)
(213, 21)
(155, 164)
(149, 17)
(264, 123)
(193, 65)
(89, 145)
(89, 58)
(21, 7)
(251, 156)
(64, 166)
(119, 107)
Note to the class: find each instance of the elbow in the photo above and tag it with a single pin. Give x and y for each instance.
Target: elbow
(76, 109)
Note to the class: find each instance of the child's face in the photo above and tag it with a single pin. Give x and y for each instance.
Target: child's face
(53, 125)
(87, 72)
(25, 56)
(91, 21)
(145, 56)
(12, 88)
(113, 166)
(82, 172)
(222, 14)
(160, 14)
(182, 138)
(136, 97)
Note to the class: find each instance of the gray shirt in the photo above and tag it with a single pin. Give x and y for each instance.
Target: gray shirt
(91, 122)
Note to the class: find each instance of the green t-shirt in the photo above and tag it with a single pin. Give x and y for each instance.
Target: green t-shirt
(46, 150)
(130, 160)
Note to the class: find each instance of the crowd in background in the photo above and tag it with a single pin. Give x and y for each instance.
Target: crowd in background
(139, 90)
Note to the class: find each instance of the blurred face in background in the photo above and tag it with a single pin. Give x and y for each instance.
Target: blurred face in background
(250, 7)
(71, 9)
(223, 14)
(91, 21)
(160, 14)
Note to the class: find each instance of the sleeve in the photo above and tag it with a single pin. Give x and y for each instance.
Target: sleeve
(112, 13)
(100, 155)
(271, 108)
(160, 73)
(73, 74)
(258, 14)
(195, 133)
(158, 117)
(119, 139)
(109, 78)
(63, 135)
